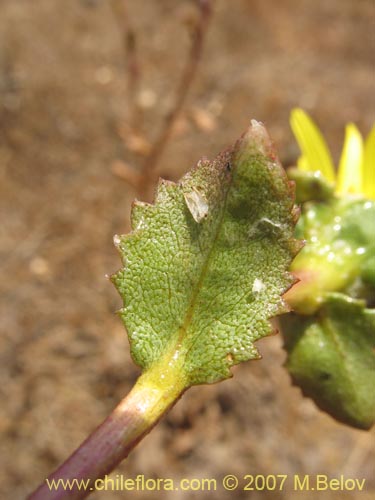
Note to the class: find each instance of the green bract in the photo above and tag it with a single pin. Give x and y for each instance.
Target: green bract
(339, 252)
(331, 357)
(330, 342)
(206, 265)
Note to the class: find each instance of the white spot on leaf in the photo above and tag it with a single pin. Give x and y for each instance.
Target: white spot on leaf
(196, 204)
(258, 285)
(264, 220)
(271, 222)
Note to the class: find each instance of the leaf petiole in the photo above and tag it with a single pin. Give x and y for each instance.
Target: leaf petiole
(154, 393)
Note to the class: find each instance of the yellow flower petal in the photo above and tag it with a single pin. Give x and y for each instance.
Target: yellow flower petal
(368, 180)
(349, 175)
(315, 152)
(303, 164)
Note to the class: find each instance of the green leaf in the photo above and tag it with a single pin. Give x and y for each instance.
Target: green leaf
(206, 265)
(331, 357)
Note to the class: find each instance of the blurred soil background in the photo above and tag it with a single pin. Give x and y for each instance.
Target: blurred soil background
(73, 121)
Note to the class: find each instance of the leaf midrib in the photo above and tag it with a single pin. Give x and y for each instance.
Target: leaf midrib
(190, 312)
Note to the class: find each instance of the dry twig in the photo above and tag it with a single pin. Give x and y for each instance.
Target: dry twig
(129, 41)
(147, 176)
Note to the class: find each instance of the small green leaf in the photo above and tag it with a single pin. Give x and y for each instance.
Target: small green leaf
(331, 357)
(310, 185)
(206, 265)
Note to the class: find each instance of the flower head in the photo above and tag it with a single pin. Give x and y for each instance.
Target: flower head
(356, 170)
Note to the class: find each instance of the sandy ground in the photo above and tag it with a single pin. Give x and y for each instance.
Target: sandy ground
(65, 113)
